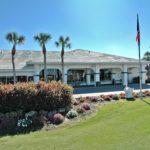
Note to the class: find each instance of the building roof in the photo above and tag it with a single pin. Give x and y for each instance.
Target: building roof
(24, 57)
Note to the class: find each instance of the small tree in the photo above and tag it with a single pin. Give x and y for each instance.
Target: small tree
(16, 40)
(42, 39)
(147, 58)
(64, 43)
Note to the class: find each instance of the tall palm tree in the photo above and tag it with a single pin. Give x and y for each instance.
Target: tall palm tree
(16, 39)
(42, 39)
(64, 43)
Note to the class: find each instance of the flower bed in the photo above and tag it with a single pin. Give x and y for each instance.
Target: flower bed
(24, 120)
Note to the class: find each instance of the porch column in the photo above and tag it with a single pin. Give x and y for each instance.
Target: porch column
(27, 78)
(97, 74)
(36, 75)
(125, 75)
(143, 74)
(88, 76)
(65, 75)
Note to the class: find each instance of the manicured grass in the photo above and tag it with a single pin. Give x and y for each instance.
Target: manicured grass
(117, 126)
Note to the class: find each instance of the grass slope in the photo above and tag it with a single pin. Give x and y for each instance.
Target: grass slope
(116, 126)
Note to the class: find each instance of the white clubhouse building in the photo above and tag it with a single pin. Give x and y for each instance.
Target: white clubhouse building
(82, 67)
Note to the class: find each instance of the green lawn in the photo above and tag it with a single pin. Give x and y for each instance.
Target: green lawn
(116, 126)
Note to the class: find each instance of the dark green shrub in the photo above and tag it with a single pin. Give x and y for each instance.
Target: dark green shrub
(39, 122)
(71, 114)
(7, 125)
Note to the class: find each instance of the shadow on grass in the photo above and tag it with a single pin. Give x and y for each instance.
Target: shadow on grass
(145, 102)
(130, 99)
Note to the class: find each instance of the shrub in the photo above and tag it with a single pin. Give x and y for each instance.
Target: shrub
(86, 106)
(107, 98)
(71, 114)
(94, 99)
(80, 110)
(122, 95)
(147, 93)
(111, 95)
(136, 95)
(58, 118)
(31, 114)
(24, 123)
(100, 99)
(39, 122)
(82, 99)
(43, 113)
(30, 96)
(7, 125)
(115, 97)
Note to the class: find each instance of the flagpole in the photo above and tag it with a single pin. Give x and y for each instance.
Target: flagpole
(140, 65)
(140, 71)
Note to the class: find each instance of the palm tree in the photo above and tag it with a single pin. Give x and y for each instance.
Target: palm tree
(42, 39)
(16, 39)
(146, 56)
(64, 43)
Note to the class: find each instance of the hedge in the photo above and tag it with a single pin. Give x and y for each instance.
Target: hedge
(30, 96)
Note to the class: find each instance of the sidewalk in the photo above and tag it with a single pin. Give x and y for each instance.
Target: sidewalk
(105, 90)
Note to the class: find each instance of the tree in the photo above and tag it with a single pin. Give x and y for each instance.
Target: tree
(42, 39)
(64, 43)
(16, 39)
(147, 58)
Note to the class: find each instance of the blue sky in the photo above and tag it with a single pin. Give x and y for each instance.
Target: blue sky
(107, 26)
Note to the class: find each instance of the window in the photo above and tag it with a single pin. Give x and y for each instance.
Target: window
(2, 79)
(52, 74)
(105, 74)
(76, 75)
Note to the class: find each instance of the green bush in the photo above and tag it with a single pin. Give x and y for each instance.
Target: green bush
(71, 114)
(30, 96)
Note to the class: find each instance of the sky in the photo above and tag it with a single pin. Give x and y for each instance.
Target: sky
(107, 26)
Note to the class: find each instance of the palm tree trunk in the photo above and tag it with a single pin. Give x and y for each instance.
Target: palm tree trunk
(62, 64)
(13, 63)
(45, 68)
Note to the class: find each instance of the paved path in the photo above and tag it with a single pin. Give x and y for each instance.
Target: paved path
(105, 89)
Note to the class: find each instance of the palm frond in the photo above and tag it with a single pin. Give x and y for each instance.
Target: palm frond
(37, 38)
(21, 39)
(61, 39)
(57, 44)
(68, 45)
(15, 37)
(67, 39)
(9, 37)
